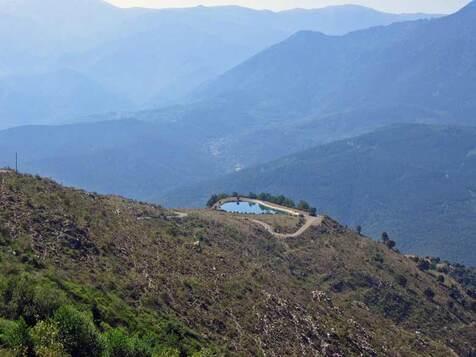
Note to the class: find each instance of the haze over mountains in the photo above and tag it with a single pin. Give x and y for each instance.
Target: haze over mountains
(307, 90)
(375, 128)
(313, 88)
(134, 58)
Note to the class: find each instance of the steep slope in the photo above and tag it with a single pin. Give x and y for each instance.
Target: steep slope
(414, 181)
(327, 292)
(145, 56)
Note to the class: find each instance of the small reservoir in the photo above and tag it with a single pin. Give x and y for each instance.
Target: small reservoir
(247, 207)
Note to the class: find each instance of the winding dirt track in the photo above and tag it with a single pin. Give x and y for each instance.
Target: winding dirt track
(310, 220)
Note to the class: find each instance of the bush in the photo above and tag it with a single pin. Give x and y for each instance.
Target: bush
(77, 333)
(429, 293)
(252, 195)
(401, 280)
(303, 206)
(119, 344)
(215, 198)
(46, 340)
(390, 244)
(424, 265)
(14, 335)
(27, 298)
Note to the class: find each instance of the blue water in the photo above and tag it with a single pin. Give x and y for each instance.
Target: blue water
(247, 207)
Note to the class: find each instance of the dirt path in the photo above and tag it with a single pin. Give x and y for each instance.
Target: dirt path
(310, 220)
(180, 215)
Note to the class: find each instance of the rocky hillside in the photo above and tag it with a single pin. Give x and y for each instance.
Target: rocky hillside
(209, 283)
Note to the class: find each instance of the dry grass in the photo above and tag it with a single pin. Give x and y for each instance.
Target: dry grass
(328, 291)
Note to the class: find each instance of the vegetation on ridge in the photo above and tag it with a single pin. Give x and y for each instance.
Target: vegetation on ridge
(266, 197)
(122, 268)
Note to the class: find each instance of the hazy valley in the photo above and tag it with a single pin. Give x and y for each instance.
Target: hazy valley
(357, 126)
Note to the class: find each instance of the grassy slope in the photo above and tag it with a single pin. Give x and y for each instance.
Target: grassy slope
(328, 291)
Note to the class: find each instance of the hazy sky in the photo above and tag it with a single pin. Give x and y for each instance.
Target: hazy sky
(435, 6)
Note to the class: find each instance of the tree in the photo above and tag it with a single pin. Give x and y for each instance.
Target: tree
(429, 293)
(15, 336)
(359, 229)
(303, 206)
(313, 211)
(441, 279)
(215, 198)
(385, 237)
(401, 280)
(390, 244)
(212, 201)
(45, 337)
(119, 343)
(77, 332)
(424, 265)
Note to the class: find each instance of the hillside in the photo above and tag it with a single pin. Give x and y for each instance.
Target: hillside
(210, 282)
(134, 58)
(414, 181)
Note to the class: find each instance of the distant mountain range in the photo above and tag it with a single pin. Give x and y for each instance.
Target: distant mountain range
(416, 182)
(134, 58)
(314, 88)
(309, 90)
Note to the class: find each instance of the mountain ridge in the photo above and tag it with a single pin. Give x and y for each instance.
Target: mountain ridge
(133, 52)
(138, 267)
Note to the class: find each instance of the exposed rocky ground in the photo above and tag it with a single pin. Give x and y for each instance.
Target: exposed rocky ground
(232, 287)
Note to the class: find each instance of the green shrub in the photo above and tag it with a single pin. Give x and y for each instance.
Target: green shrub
(25, 297)
(119, 344)
(77, 333)
(46, 340)
(15, 336)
